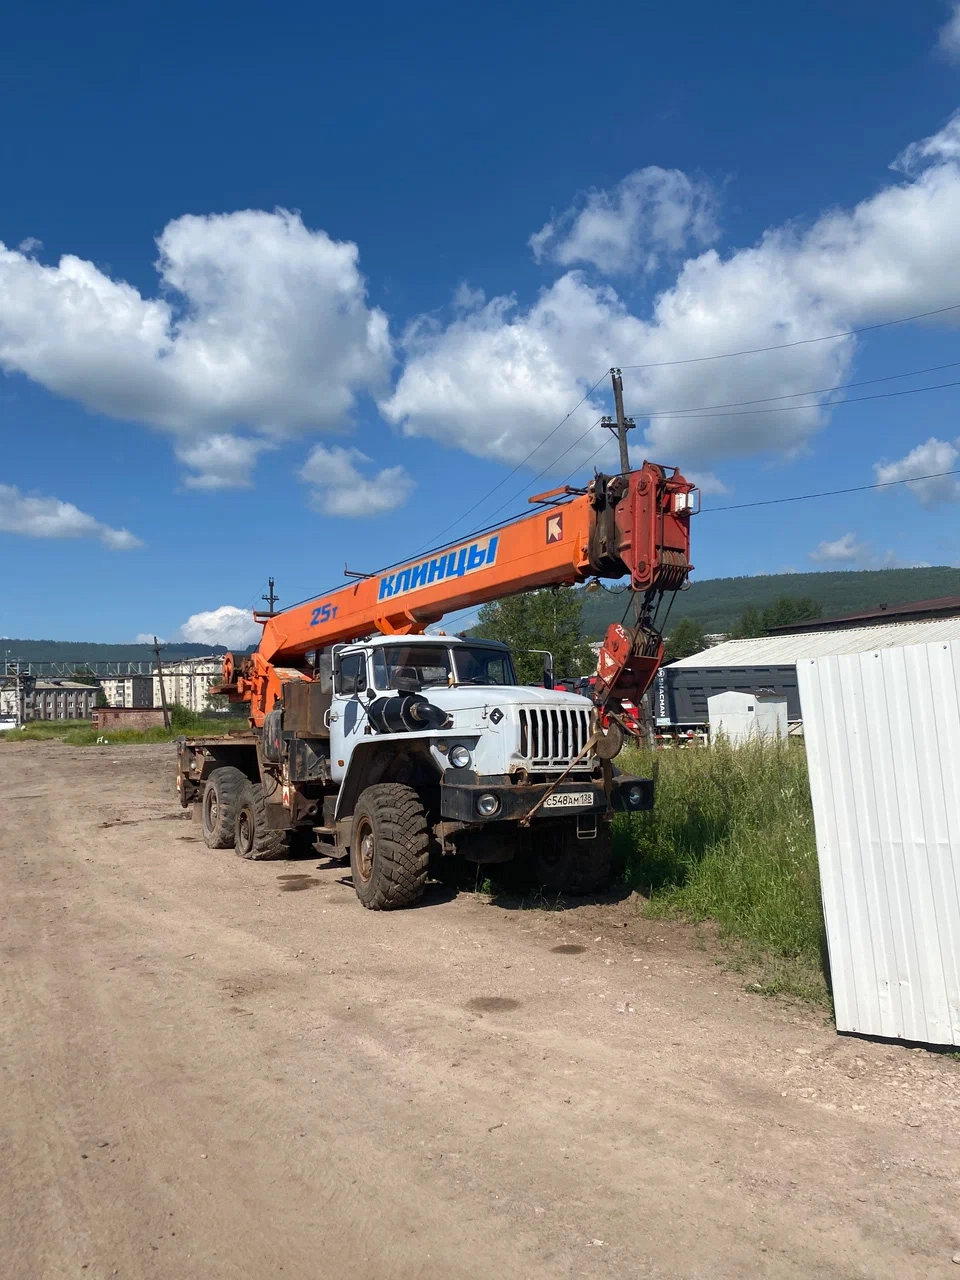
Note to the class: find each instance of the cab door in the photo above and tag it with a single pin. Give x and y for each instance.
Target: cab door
(348, 712)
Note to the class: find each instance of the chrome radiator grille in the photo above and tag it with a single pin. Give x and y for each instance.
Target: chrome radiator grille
(551, 737)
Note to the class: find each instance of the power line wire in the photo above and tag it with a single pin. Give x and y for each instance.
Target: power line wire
(792, 395)
(500, 483)
(707, 411)
(725, 355)
(815, 404)
(710, 411)
(541, 474)
(828, 493)
(799, 342)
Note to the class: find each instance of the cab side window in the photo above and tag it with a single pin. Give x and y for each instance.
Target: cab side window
(353, 673)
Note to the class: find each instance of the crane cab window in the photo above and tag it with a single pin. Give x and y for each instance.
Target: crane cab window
(352, 676)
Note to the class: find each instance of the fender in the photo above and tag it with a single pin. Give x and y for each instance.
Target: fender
(398, 758)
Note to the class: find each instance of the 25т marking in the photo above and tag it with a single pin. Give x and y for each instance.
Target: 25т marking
(323, 613)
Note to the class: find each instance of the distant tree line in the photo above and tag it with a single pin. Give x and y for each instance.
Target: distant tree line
(717, 604)
(688, 638)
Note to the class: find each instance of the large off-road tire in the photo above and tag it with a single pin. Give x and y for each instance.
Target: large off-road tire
(218, 806)
(389, 847)
(565, 864)
(252, 838)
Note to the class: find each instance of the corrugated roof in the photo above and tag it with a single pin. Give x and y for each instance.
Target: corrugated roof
(784, 651)
(63, 684)
(943, 605)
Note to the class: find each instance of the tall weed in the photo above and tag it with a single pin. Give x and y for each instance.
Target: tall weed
(731, 839)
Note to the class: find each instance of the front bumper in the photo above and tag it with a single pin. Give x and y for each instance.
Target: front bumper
(458, 799)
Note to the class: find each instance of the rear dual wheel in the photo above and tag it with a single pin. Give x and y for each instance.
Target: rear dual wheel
(218, 808)
(233, 816)
(252, 838)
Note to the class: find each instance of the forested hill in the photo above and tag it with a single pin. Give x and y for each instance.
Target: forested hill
(79, 652)
(717, 603)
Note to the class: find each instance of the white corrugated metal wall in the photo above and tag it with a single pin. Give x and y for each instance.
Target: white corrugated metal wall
(882, 733)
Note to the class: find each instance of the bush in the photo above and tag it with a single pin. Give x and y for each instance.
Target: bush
(731, 839)
(184, 721)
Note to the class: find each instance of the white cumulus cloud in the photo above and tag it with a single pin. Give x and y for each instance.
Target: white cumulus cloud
(147, 637)
(499, 376)
(258, 323)
(339, 488)
(36, 517)
(927, 459)
(843, 550)
(652, 212)
(948, 39)
(226, 625)
(220, 461)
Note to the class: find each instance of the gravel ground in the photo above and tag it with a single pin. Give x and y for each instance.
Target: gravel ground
(213, 1068)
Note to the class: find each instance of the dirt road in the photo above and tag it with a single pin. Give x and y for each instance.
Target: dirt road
(213, 1068)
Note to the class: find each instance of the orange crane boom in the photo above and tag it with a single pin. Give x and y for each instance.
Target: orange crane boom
(634, 525)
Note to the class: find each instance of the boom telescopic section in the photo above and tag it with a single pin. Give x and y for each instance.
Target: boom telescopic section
(635, 525)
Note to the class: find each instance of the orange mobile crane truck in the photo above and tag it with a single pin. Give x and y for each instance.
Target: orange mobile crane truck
(370, 740)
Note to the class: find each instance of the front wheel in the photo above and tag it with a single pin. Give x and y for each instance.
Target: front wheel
(389, 847)
(565, 864)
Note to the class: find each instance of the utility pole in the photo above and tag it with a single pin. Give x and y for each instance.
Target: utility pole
(271, 599)
(620, 424)
(163, 692)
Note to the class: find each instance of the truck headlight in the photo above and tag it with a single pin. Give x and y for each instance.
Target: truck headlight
(487, 804)
(634, 797)
(459, 756)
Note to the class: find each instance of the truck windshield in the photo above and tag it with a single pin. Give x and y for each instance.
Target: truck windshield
(480, 665)
(427, 664)
(431, 665)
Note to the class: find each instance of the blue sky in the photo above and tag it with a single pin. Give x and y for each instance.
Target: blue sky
(284, 289)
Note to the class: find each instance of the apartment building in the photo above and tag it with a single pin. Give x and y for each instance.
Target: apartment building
(186, 682)
(128, 691)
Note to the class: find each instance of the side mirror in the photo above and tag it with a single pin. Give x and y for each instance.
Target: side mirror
(547, 666)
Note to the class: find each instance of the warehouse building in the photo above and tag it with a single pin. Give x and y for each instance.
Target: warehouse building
(769, 664)
(884, 614)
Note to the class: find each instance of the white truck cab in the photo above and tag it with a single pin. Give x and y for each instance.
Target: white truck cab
(505, 728)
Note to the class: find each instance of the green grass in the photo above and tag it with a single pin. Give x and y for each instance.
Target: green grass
(731, 840)
(42, 730)
(80, 733)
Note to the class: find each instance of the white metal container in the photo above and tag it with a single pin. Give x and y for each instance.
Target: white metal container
(742, 717)
(882, 732)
